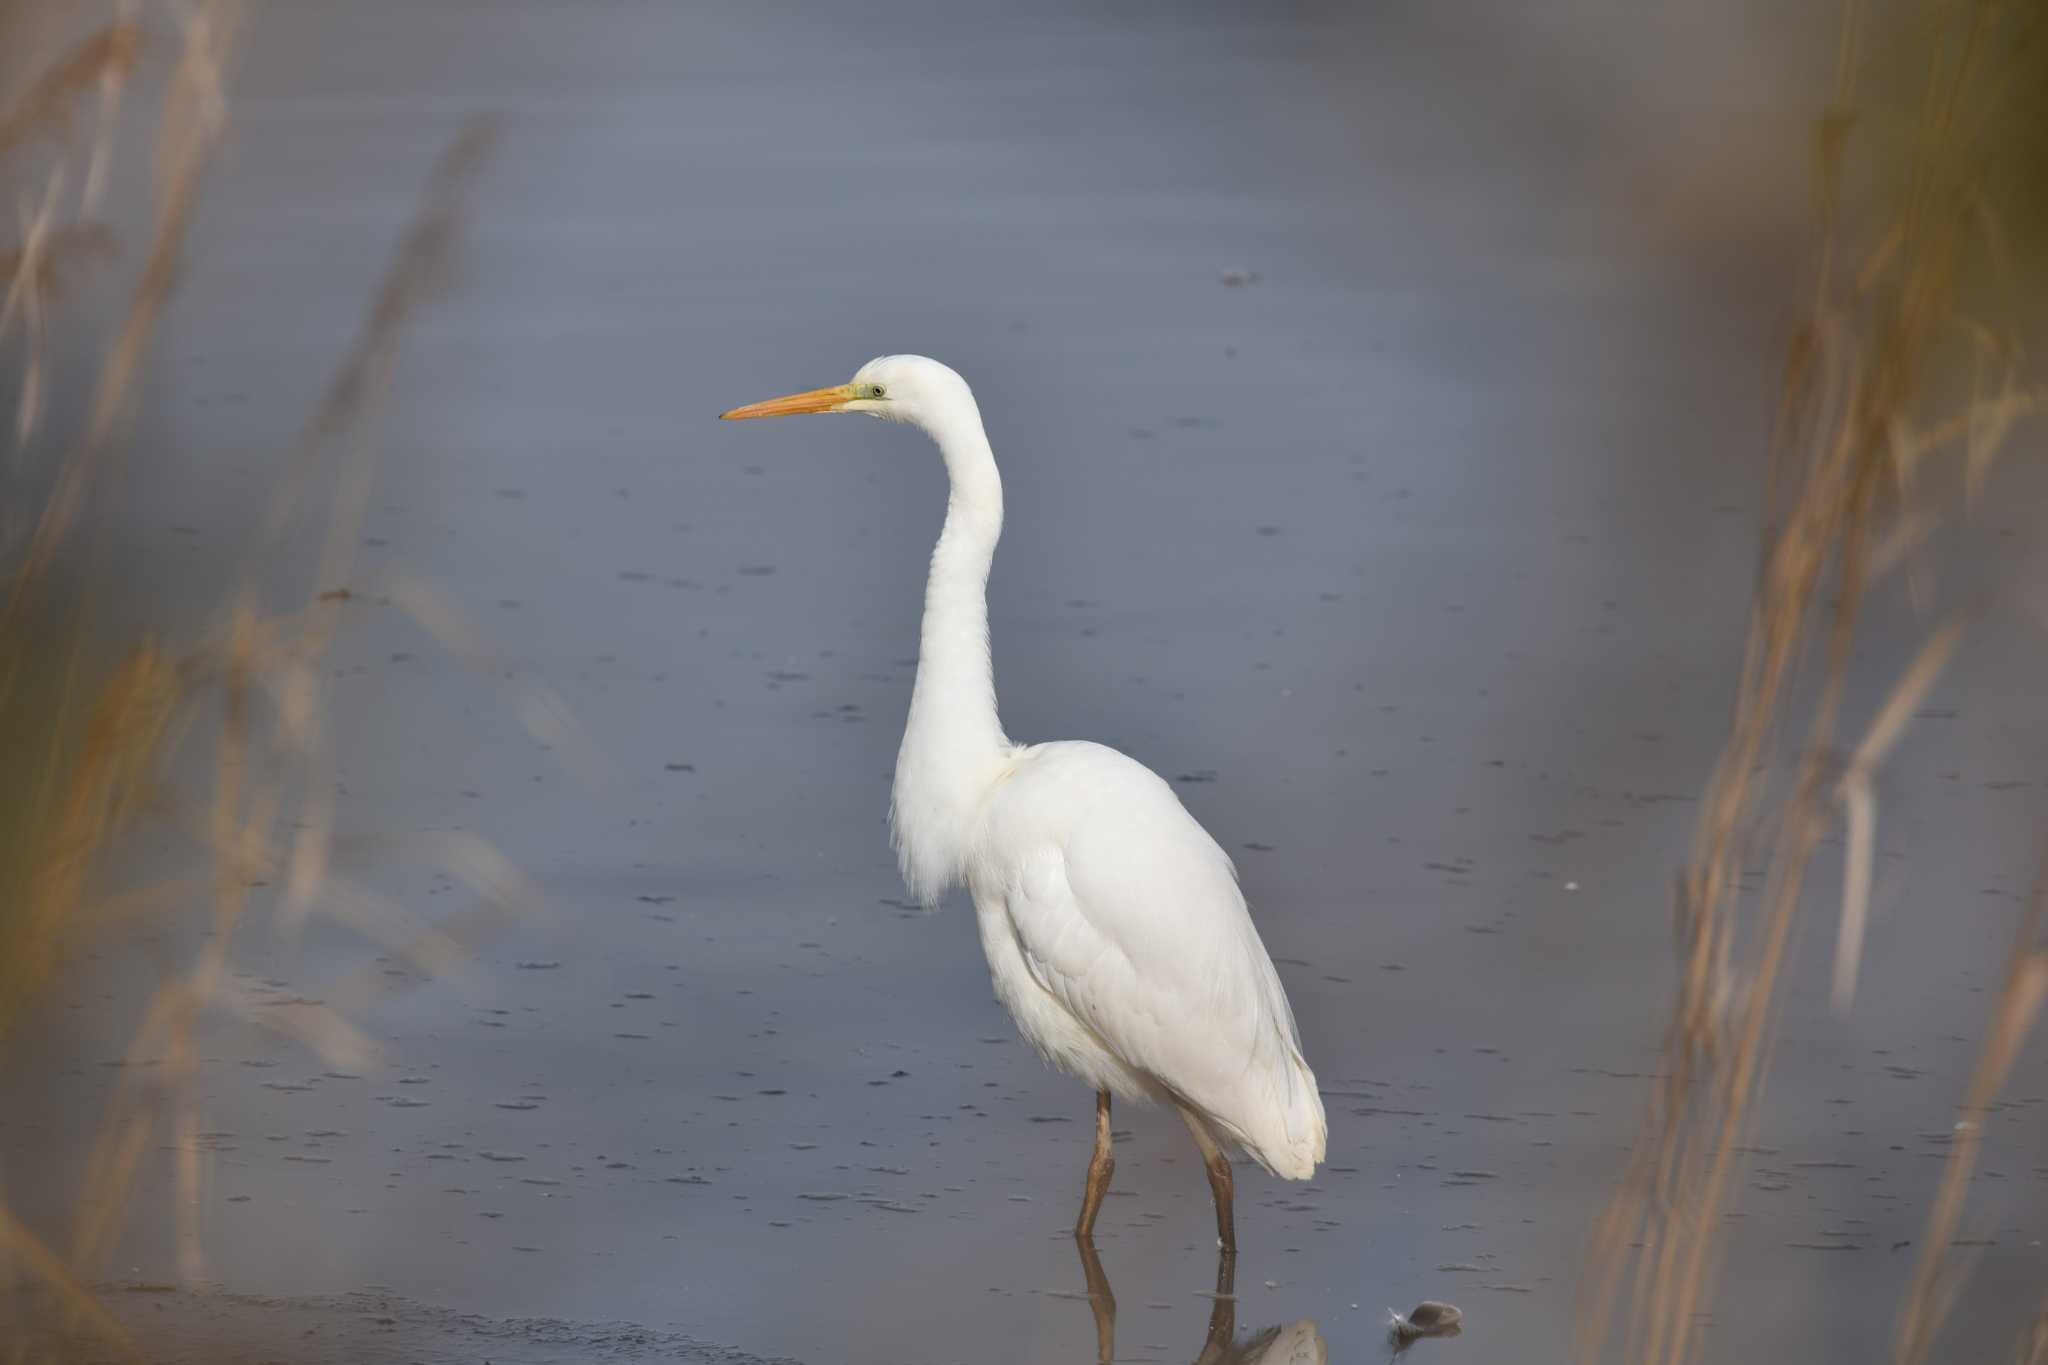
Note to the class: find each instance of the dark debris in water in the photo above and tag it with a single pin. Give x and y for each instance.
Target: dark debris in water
(1426, 1319)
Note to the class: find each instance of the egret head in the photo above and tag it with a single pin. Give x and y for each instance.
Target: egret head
(900, 388)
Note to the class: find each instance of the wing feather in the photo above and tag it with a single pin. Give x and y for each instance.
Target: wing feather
(1129, 915)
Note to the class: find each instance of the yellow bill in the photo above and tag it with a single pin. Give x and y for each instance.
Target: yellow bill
(811, 400)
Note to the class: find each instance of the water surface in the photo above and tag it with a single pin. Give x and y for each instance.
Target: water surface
(1381, 418)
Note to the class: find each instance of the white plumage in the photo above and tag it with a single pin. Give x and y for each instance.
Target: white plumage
(1122, 947)
(1115, 930)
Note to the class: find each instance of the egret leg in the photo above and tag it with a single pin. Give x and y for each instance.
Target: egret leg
(1223, 1313)
(1101, 1166)
(1101, 1301)
(1221, 1183)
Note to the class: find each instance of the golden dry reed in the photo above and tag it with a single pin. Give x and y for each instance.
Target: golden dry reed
(1848, 501)
(106, 735)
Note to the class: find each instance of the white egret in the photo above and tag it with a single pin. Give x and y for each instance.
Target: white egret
(1113, 923)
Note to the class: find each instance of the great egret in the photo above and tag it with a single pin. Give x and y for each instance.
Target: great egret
(1113, 923)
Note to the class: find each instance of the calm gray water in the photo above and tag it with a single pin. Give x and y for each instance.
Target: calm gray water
(1416, 554)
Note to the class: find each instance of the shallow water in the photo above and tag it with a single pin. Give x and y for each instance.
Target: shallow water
(1381, 425)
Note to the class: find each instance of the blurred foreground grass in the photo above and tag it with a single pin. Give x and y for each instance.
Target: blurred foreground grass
(1905, 378)
(94, 723)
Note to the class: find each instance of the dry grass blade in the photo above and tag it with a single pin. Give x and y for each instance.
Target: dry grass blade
(417, 267)
(73, 1295)
(387, 924)
(547, 717)
(99, 778)
(193, 119)
(30, 274)
(469, 858)
(35, 264)
(1935, 1278)
(26, 300)
(1858, 795)
(321, 1030)
(2033, 1348)
(108, 55)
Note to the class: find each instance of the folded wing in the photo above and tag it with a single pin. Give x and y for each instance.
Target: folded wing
(1130, 915)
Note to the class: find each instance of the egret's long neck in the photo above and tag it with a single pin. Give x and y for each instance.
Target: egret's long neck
(953, 746)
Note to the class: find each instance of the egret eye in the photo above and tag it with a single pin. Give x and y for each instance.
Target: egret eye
(877, 391)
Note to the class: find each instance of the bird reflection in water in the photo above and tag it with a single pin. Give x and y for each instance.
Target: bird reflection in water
(1296, 1343)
